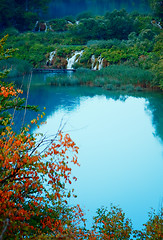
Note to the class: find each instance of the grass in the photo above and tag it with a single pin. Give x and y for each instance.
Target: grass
(127, 74)
(114, 77)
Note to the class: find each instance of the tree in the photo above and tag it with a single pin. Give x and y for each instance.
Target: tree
(19, 17)
(157, 7)
(112, 224)
(153, 229)
(35, 173)
(9, 97)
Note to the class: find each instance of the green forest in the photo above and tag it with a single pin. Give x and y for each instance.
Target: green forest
(127, 43)
(117, 46)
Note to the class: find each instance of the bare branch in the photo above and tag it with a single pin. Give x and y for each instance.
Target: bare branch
(27, 98)
(5, 225)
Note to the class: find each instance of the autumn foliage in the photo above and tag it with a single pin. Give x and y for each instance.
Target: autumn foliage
(35, 184)
(34, 173)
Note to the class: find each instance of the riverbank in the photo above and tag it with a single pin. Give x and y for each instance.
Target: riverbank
(134, 41)
(114, 77)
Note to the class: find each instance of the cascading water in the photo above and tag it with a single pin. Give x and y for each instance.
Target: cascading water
(51, 56)
(69, 22)
(37, 26)
(156, 24)
(97, 64)
(93, 59)
(100, 63)
(42, 27)
(46, 27)
(75, 58)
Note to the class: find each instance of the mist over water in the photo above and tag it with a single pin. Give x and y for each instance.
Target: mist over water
(63, 8)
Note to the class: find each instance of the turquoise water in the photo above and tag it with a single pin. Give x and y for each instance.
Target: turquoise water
(120, 139)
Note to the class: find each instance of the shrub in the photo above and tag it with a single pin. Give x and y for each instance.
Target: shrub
(30, 19)
(84, 15)
(18, 67)
(58, 24)
(146, 34)
(11, 31)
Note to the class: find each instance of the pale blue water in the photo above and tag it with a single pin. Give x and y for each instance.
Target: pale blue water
(120, 139)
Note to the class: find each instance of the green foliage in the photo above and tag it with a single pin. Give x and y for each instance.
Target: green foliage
(64, 51)
(10, 98)
(147, 34)
(117, 24)
(141, 46)
(155, 61)
(121, 24)
(85, 58)
(142, 22)
(108, 224)
(127, 75)
(114, 77)
(30, 19)
(103, 43)
(58, 25)
(112, 224)
(70, 19)
(84, 15)
(5, 54)
(11, 31)
(17, 67)
(153, 229)
(21, 14)
(157, 8)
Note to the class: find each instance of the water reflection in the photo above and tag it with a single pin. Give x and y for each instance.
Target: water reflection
(121, 159)
(120, 139)
(69, 98)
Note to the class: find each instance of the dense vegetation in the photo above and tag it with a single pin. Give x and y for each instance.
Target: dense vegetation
(35, 170)
(21, 14)
(34, 183)
(27, 12)
(133, 41)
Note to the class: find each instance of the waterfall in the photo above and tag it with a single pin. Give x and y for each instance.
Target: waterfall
(46, 27)
(100, 62)
(74, 59)
(93, 61)
(50, 59)
(37, 23)
(51, 56)
(157, 24)
(69, 22)
(40, 26)
(97, 64)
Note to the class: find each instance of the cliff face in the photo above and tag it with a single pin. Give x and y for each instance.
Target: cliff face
(73, 7)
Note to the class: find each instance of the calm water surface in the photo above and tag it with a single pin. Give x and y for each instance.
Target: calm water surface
(120, 139)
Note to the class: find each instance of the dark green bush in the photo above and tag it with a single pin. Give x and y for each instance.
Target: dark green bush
(58, 24)
(84, 15)
(17, 67)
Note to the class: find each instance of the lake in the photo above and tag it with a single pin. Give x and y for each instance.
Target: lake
(120, 139)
